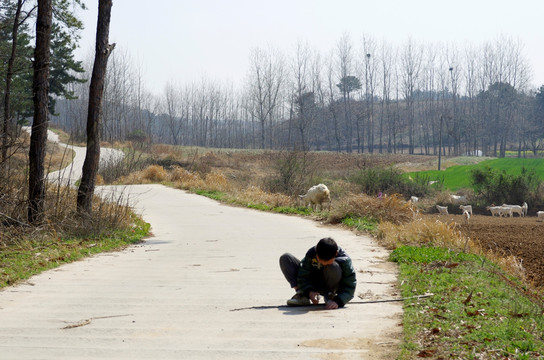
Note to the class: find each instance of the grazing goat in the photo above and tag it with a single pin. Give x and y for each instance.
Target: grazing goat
(442, 210)
(466, 216)
(316, 196)
(506, 211)
(414, 199)
(466, 208)
(524, 207)
(540, 215)
(515, 209)
(495, 210)
(458, 199)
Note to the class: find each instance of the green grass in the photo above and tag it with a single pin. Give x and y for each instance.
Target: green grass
(26, 258)
(361, 224)
(458, 176)
(212, 194)
(476, 311)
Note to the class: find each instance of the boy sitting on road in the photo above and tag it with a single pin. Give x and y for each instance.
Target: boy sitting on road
(326, 269)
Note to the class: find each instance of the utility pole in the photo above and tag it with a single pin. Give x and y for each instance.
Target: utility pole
(440, 143)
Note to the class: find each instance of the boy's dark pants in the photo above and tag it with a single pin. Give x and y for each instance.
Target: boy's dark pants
(324, 284)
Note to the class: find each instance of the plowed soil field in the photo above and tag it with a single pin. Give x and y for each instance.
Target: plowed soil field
(522, 237)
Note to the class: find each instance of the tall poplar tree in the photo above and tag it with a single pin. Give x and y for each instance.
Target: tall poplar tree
(102, 51)
(40, 90)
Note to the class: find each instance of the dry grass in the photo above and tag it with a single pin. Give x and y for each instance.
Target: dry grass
(61, 218)
(421, 232)
(386, 209)
(424, 232)
(255, 195)
(154, 173)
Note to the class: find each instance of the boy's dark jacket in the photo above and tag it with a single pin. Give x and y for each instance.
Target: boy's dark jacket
(310, 268)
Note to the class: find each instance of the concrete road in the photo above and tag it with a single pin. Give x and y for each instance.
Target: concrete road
(72, 173)
(206, 285)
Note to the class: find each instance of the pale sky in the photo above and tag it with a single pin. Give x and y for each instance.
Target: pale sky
(183, 41)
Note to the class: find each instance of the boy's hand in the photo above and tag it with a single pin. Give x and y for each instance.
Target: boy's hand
(331, 305)
(314, 297)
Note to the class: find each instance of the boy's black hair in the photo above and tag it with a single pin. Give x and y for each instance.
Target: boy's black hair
(326, 248)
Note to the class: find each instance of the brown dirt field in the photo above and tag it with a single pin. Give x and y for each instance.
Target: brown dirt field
(522, 237)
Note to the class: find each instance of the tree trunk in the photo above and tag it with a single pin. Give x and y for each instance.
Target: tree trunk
(96, 90)
(9, 76)
(40, 88)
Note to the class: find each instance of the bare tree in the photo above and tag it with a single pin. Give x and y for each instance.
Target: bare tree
(455, 71)
(474, 122)
(40, 87)
(387, 63)
(304, 98)
(411, 61)
(348, 83)
(266, 78)
(171, 98)
(331, 103)
(96, 90)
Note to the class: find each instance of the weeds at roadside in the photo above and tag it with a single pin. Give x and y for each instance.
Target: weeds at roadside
(474, 313)
(30, 255)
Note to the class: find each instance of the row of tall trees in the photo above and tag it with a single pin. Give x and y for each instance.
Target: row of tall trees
(365, 97)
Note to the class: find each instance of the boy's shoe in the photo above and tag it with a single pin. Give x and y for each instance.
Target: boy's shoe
(298, 300)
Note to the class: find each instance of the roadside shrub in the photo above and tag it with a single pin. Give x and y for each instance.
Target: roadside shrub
(497, 187)
(216, 181)
(391, 208)
(179, 174)
(112, 170)
(292, 168)
(154, 173)
(389, 180)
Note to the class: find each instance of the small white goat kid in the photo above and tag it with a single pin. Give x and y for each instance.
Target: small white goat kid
(316, 196)
(466, 216)
(540, 215)
(442, 210)
(467, 208)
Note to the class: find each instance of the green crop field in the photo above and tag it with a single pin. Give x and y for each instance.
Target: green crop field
(459, 176)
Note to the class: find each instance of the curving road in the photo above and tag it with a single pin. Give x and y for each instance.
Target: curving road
(206, 285)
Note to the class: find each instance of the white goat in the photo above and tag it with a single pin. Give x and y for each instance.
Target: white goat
(414, 199)
(466, 216)
(495, 210)
(466, 208)
(540, 215)
(516, 209)
(442, 210)
(316, 196)
(524, 207)
(458, 199)
(506, 211)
